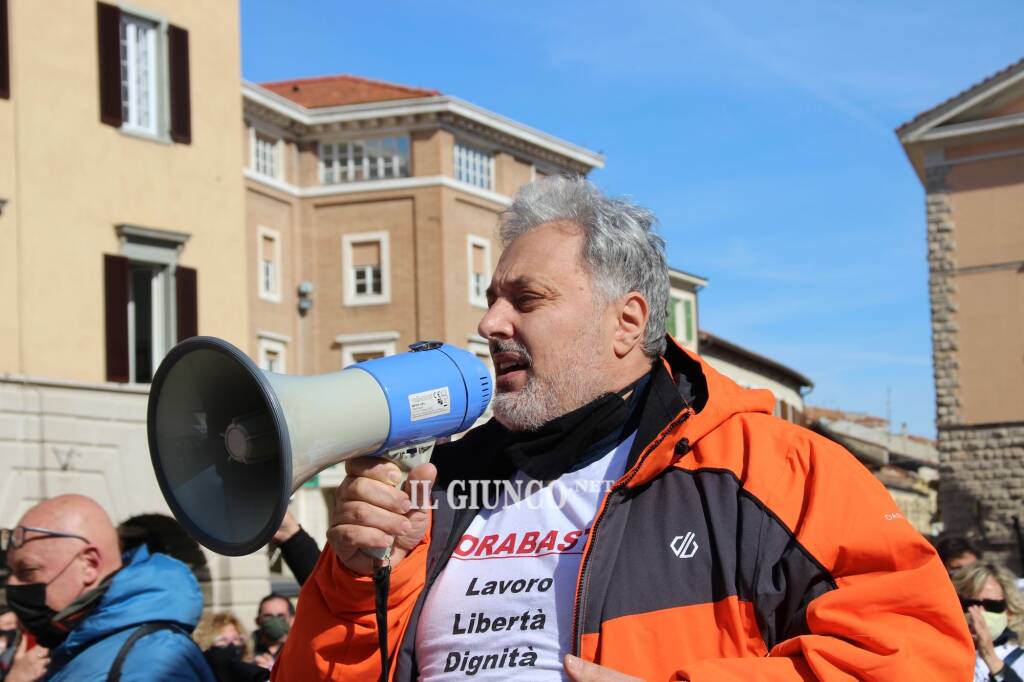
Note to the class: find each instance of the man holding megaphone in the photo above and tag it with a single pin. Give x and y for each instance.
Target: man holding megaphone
(628, 513)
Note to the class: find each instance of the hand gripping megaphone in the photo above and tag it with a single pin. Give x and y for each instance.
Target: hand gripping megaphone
(230, 442)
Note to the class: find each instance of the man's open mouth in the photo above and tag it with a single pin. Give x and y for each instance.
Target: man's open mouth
(507, 364)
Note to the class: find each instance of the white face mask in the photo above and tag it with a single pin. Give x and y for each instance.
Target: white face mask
(996, 623)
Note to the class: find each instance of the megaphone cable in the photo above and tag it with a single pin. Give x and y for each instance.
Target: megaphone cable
(381, 587)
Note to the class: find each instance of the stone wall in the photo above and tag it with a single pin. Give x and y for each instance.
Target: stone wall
(73, 437)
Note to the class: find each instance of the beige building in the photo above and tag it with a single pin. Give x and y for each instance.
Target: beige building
(120, 233)
(968, 153)
(370, 219)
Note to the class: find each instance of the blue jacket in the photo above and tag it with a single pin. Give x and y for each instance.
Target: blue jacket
(148, 588)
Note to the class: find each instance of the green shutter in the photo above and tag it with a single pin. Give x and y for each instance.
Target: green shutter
(670, 323)
(688, 333)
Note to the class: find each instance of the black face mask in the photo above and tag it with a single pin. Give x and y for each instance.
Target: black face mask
(49, 627)
(576, 438)
(10, 636)
(218, 656)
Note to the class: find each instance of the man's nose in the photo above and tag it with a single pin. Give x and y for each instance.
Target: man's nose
(497, 322)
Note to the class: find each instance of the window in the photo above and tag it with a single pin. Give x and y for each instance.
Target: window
(265, 152)
(150, 302)
(368, 346)
(144, 74)
(138, 74)
(269, 264)
(375, 159)
(479, 251)
(682, 320)
(365, 264)
(474, 166)
(272, 352)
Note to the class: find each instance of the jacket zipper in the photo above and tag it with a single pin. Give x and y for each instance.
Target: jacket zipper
(577, 619)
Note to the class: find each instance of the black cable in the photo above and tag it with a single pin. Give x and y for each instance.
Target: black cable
(381, 587)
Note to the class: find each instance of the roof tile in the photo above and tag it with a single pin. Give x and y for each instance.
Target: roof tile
(330, 91)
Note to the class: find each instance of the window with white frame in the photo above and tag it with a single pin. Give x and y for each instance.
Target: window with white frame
(474, 166)
(479, 261)
(355, 160)
(366, 346)
(139, 74)
(272, 353)
(269, 264)
(265, 152)
(365, 263)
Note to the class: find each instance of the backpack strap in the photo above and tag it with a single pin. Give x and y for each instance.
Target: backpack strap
(146, 628)
(1012, 657)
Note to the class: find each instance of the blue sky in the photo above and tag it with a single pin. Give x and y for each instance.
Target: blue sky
(760, 133)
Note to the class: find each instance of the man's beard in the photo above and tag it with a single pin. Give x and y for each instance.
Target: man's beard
(571, 384)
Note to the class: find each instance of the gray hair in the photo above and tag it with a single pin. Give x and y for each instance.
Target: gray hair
(620, 248)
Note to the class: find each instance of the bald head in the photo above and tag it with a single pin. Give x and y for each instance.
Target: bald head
(78, 515)
(68, 565)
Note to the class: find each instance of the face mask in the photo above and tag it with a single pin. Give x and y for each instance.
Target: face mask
(996, 623)
(274, 628)
(49, 627)
(9, 636)
(219, 656)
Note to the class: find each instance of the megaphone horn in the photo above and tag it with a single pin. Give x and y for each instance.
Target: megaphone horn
(230, 442)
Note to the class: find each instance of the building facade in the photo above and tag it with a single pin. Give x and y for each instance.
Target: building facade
(371, 211)
(121, 232)
(968, 153)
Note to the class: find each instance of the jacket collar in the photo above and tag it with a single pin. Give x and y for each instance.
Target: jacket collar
(688, 399)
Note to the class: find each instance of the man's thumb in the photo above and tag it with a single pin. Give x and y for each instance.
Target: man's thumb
(420, 482)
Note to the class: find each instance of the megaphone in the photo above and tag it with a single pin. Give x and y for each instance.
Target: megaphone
(230, 442)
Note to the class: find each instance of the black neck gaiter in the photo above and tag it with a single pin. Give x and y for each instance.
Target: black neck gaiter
(575, 439)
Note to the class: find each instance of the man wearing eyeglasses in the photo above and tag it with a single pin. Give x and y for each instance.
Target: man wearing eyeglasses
(93, 611)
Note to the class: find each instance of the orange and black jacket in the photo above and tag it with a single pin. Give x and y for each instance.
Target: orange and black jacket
(797, 563)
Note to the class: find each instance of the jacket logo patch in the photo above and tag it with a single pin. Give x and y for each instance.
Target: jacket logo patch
(684, 546)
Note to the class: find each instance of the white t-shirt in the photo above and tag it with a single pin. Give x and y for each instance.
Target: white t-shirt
(503, 604)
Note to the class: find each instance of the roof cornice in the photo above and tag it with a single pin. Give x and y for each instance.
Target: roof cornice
(922, 127)
(438, 105)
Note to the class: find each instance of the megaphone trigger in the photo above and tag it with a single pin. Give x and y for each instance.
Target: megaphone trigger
(406, 459)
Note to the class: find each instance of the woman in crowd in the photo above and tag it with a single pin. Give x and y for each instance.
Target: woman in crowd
(225, 646)
(995, 613)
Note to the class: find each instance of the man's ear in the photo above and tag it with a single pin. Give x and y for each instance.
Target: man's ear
(92, 561)
(633, 312)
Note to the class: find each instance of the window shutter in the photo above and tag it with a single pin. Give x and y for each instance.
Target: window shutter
(187, 289)
(115, 284)
(108, 34)
(5, 54)
(181, 102)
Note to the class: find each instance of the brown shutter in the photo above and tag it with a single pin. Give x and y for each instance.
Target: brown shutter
(181, 102)
(108, 36)
(187, 288)
(115, 284)
(5, 54)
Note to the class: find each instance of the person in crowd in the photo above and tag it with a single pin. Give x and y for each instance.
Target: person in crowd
(9, 639)
(273, 622)
(298, 549)
(226, 648)
(956, 551)
(94, 611)
(995, 614)
(678, 531)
